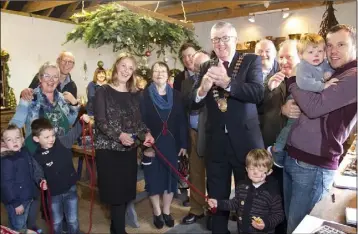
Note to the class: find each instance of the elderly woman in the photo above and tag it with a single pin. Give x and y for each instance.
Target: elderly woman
(163, 112)
(118, 121)
(60, 109)
(99, 79)
(47, 102)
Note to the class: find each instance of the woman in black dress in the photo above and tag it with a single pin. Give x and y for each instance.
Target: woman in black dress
(117, 117)
(163, 113)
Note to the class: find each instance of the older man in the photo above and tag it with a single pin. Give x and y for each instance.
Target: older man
(197, 121)
(267, 51)
(66, 62)
(316, 139)
(230, 86)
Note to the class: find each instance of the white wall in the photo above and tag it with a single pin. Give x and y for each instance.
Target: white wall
(32, 41)
(300, 21)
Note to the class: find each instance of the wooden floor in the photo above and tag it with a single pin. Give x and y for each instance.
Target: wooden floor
(101, 222)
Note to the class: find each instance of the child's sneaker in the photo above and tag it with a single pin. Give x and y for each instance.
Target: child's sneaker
(146, 160)
(278, 157)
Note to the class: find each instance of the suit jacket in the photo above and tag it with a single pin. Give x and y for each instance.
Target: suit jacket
(271, 119)
(241, 119)
(186, 88)
(178, 79)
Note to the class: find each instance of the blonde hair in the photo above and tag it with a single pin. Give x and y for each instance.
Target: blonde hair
(259, 158)
(45, 66)
(131, 83)
(309, 39)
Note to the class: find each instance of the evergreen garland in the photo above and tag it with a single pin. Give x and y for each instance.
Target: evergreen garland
(116, 25)
(9, 95)
(328, 19)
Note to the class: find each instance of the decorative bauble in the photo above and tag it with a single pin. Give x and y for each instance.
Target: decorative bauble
(147, 53)
(100, 64)
(166, 59)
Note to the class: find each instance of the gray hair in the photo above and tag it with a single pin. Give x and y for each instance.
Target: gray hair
(223, 24)
(271, 44)
(44, 67)
(288, 42)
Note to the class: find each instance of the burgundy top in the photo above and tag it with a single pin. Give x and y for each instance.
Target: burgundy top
(328, 117)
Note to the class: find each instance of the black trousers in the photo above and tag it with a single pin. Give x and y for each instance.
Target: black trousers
(118, 213)
(278, 175)
(219, 169)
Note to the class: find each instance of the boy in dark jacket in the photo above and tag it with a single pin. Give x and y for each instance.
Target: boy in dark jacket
(257, 200)
(55, 157)
(20, 174)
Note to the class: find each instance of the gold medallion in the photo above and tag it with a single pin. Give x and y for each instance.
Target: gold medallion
(222, 104)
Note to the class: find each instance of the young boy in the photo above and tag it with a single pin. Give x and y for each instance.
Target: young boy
(55, 157)
(20, 174)
(313, 74)
(257, 200)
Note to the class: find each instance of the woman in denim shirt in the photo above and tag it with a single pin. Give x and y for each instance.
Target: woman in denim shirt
(60, 109)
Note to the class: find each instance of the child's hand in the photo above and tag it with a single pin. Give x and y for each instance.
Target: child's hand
(257, 223)
(213, 203)
(4, 147)
(43, 184)
(332, 81)
(85, 118)
(327, 75)
(19, 210)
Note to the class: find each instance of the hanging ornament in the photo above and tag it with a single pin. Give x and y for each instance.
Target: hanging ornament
(166, 59)
(147, 53)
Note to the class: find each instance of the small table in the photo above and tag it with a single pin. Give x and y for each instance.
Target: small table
(335, 211)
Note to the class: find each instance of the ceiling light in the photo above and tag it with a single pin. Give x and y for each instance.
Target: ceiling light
(285, 14)
(252, 18)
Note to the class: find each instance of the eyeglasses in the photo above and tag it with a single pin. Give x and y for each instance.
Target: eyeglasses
(49, 77)
(223, 39)
(65, 62)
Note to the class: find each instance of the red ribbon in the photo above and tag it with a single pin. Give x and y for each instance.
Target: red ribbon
(165, 128)
(88, 166)
(192, 187)
(48, 217)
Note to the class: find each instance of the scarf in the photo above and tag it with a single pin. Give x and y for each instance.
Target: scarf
(159, 100)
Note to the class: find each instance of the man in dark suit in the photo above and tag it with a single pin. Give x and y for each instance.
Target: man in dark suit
(232, 126)
(186, 52)
(196, 151)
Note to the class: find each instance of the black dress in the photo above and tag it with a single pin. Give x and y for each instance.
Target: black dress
(158, 175)
(116, 112)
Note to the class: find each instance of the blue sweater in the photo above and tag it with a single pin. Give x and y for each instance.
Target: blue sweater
(20, 174)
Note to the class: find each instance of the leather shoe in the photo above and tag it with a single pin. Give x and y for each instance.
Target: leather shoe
(192, 218)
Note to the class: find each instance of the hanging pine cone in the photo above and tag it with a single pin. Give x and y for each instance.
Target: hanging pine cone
(328, 19)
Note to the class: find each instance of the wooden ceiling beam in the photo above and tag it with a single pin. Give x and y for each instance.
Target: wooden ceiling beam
(32, 6)
(240, 12)
(5, 5)
(48, 12)
(71, 8)
(143, 4)
(176, 9)
(139, 10)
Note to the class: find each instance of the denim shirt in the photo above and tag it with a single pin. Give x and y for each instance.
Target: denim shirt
(27, 111)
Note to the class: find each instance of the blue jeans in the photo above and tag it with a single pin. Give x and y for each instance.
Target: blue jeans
(65, 204)
(18, 222)
(303, 186)
(281, 141)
